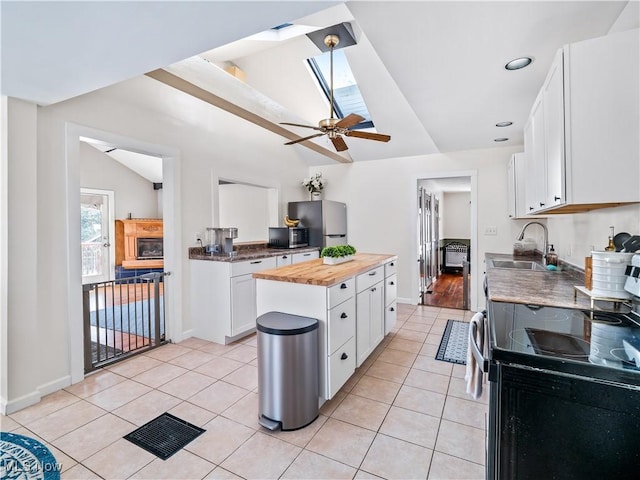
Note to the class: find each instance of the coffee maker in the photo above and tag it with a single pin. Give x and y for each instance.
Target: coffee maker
(220, 240)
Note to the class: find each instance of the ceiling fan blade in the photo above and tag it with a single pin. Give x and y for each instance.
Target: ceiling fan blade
(368, 135)
(299, 125)
(305, 138)
(339, 143)
(349, 121)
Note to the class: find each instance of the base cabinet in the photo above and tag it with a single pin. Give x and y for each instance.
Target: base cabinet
(223, 298)
(370, 323)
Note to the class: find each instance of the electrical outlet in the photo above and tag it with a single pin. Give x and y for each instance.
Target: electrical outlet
(198, 236)
(491, 231)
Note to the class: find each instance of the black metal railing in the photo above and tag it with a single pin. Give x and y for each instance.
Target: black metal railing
(122, 317)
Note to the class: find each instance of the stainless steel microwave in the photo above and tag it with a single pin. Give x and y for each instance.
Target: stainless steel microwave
(288, 237)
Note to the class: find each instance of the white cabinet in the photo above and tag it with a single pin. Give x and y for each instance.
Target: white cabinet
(582, 140)
(535, 156)
(390, 295)
(222, 295)
(517, 186)
(369, 312)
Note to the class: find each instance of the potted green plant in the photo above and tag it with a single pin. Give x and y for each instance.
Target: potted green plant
(337, 254)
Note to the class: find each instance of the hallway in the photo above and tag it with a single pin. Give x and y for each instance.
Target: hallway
(446, 291)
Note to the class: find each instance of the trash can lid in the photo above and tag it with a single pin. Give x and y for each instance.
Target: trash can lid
(278, 323)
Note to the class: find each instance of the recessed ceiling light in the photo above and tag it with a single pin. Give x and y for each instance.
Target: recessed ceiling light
(504, 124)
(518, 63)
(503, 139)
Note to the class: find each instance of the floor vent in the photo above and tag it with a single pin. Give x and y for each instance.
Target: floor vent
(165, 435)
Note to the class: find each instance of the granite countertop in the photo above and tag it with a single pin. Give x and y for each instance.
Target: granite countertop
(315, 272)
(541, 287)
(251, 253)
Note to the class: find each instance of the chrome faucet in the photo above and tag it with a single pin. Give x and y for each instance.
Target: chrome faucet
(546, 238)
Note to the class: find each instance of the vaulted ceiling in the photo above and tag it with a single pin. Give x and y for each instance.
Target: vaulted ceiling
(432, 73)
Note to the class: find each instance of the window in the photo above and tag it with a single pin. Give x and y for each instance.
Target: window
(347, 97)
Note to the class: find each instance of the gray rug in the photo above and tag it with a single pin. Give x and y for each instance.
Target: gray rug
(455, 339)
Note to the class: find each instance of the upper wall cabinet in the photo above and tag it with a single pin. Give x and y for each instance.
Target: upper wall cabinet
(582, 137)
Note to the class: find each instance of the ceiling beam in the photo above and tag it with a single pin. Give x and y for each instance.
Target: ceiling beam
(189, 88)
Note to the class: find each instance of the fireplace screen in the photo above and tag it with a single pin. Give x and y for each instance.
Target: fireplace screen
(149, 248)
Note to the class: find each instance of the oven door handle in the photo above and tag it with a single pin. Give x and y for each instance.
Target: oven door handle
(478, 323)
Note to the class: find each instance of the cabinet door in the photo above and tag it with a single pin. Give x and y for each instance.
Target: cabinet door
(243, 304)
(536, 158)
(369, 321)
(553, 92)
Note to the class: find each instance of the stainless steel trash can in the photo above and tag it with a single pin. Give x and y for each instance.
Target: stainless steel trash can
(287, 370)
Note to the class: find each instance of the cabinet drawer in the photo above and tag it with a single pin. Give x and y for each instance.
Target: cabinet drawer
(390, 316)
(390, 289)
(342, 324)
(303, 257)
(250, 266)
(149, 229)
(390, 268)
(341, 292)
(283, 260)
(367, 279)
(342, 364)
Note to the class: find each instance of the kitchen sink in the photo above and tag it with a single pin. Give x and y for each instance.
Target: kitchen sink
(515, 264)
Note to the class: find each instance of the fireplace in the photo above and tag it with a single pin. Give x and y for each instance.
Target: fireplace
(149, 248)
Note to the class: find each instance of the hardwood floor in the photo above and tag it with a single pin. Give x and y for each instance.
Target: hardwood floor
(446, 291)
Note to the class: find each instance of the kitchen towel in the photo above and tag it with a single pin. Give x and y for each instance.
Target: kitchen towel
(473, 374)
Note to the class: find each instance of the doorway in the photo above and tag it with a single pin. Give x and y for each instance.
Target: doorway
(445, 238)
(97, 234)
(169, 200)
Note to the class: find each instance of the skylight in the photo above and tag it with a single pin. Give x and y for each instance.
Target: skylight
(347, 97)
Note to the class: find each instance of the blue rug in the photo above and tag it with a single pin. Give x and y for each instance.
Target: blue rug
(25, 458)
(454, 343)
(136, 318)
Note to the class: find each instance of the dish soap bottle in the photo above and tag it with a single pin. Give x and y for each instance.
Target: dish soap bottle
(611, 247)
(552, 257)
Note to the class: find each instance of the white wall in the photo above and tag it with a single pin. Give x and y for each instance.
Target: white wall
(455, 210)
(382, 206)
(248, 209)
(575, 235)
(133, 193)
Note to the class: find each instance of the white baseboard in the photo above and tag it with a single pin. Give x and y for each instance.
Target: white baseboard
(410, 301)
(55, 385)
(12, 406)
(186, 334)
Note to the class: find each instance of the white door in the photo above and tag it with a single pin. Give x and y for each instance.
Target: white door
(96, 232)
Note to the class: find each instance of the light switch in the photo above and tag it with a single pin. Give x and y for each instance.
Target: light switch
(491, 231)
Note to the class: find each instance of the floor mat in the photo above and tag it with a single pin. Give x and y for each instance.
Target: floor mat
(455, 339)
(23, 457)
(165, 435)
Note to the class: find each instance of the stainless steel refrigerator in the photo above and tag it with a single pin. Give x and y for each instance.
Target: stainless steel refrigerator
(325, 219)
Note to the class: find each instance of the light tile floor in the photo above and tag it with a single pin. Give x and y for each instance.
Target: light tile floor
(402, 415)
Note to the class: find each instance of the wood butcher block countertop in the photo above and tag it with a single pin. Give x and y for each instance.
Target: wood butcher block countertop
(314, 272)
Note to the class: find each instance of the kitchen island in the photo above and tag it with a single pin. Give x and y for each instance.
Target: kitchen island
(354, 303)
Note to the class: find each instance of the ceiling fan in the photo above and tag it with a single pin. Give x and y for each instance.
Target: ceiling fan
(336, 128)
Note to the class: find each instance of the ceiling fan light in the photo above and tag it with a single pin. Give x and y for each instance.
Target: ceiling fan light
(518, 63)
(504, 124)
